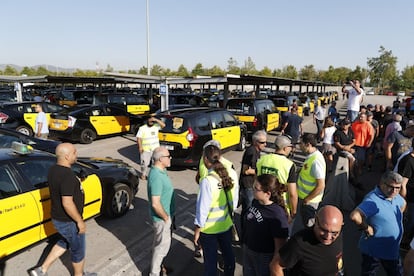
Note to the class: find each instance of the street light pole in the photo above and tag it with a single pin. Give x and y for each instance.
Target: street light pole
(148, 45)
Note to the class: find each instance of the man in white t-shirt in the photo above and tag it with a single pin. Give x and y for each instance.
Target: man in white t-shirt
(41, 125)
(354, 99)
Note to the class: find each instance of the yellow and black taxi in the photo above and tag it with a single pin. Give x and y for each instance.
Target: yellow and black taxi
(85, 123)
(22, 116)
(187, 130)
(109, 186)
(134, 104)
(283, 102)
(8, 136)
(73, 97)
(257, 114)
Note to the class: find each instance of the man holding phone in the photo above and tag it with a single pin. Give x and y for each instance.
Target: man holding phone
(354, 99)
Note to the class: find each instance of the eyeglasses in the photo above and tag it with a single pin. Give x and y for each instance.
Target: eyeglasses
(168, 156)
(261, 142)
(390, 187)
(326, 231)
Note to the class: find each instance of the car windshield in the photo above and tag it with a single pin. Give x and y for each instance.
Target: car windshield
(241, 107)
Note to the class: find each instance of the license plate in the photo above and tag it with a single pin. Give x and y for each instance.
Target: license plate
(57, 125)
(168, 147)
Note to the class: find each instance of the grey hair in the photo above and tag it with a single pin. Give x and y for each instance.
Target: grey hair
(391, 177)
(258, 134)
(397, 117)
(157, 154)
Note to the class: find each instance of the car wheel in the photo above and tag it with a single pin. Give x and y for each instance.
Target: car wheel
(25, 130)
(87, 136)
(242, 144)
(118, 201)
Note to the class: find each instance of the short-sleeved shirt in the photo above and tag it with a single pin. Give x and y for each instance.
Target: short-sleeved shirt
(401, 144)
(250, 157)
(63, 182)
(385, 217)
(342, 138)
(41, 118)
(304, 254)
(159, 184)
(293, 125)
(363, 133)
(406, 169)
(354, 99)
(264, 223)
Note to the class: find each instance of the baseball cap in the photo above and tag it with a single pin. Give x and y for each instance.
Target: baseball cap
(282, 141)
(370, 106)
(212, 143)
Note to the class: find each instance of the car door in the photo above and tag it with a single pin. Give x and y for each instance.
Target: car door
(19, 213)
(29, 114)
(218, 130)
(231, 126)
(92, 189)
(117, 120)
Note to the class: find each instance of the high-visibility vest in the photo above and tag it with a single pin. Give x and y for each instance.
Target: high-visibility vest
(275, 164)
(149, 137)
(306, 182)
(218, 218)
(279, 166)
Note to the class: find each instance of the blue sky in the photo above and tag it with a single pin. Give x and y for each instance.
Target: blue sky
(274, 33)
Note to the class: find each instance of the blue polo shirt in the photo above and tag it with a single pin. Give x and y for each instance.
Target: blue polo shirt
(385, 217)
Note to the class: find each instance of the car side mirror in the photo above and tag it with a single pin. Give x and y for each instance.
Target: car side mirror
(82, 174)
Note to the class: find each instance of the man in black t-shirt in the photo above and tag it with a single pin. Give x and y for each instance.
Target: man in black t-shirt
(66, 210)
(318, 250)
(344, 143)
(248, 170)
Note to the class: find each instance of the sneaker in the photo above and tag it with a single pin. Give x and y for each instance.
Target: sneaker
(198, 253)
(89, 273)
(37, 272)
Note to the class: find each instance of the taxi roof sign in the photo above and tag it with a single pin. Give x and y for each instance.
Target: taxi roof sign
(21, 148)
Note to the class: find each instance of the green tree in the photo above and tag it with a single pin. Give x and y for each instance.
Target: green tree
(198, 70)
(182, 71)
(266, 71)
(143, 70)
(289, 72)
(383, 69)
(157, 70)
(308, 73)
(215, 71)
(40, 71)
(407, 78)
(28, 71)
(233, 67)
(10, 71)
(249, 67)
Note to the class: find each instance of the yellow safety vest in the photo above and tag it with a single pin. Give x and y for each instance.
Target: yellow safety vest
(218, 218)
(306, 182)
(203, 171)
(149, 137)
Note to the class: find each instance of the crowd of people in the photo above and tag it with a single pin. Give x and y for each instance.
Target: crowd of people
(285, 228)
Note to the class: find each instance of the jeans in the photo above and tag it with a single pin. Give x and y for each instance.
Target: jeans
(160, 245)
(352, 115)
(247, 197)
(256, 263)
(72, 240)
(370, 266)
(319, 125)
(209, 243)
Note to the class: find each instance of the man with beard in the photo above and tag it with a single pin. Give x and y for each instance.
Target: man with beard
(147, 140)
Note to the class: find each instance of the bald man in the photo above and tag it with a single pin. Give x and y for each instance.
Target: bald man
(316, 250)
(67, 206)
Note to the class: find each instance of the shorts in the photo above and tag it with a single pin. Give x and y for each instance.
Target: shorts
(328, 149)
(71, 239)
